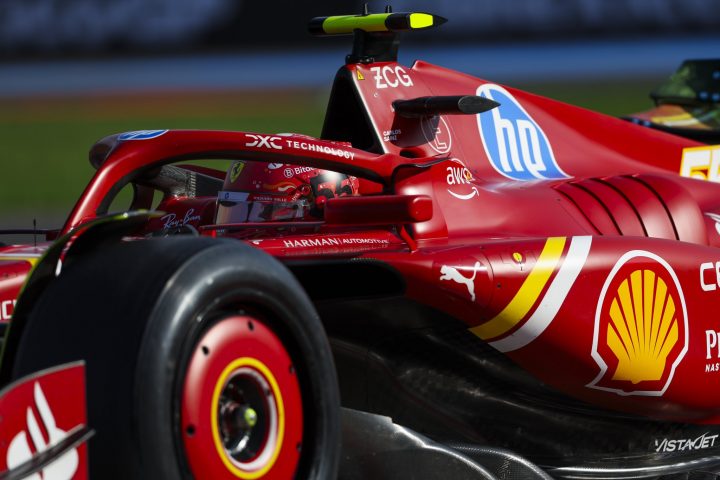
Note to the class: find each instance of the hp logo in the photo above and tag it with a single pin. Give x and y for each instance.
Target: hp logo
(516, 145)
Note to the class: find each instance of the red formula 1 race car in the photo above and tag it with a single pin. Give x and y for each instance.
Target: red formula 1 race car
(457, 280)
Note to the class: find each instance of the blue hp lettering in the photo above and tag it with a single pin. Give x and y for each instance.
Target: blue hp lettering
(516, 145)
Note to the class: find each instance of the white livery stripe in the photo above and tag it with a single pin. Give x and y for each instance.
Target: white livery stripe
(553, 300)
(21, 255)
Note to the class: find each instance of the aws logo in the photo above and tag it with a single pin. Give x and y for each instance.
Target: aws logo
(515, 144)
(460, 181)
(641, 327)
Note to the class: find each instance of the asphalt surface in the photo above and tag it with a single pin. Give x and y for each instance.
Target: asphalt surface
(538, 61)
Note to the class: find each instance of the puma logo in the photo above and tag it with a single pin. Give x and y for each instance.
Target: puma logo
(451, 273)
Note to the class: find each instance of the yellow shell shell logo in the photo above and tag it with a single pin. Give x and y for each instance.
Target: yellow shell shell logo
(641, 327)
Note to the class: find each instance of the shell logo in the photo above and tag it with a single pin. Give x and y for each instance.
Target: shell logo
(641, 327)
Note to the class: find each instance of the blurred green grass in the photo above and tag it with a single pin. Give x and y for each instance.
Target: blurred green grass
(44, 141)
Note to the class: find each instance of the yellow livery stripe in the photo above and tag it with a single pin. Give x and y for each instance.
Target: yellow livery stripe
(375, 22)
(421, 20)
(347, 23)
(528, 293)
(31, 260)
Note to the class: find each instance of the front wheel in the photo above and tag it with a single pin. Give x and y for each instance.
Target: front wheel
(205, 359)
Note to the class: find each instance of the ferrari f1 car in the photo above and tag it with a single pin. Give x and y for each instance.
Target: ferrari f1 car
(458, 279)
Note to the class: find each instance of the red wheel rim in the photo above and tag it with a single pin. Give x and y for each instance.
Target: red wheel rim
(241, 408)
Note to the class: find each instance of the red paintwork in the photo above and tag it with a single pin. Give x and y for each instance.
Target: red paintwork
(232, 341)
(15, 264)
(615, 194)
(331, 243)
(379, 210)
(181, 212)
(55, 400)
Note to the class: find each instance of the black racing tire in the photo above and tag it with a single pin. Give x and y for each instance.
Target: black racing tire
(144, 315)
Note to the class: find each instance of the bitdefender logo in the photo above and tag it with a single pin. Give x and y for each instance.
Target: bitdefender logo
(641, 327)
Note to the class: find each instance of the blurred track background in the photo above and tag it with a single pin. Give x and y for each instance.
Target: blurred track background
(74, 71)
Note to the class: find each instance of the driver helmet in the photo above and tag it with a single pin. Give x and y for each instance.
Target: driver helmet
(688, 103)
(256, 192)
